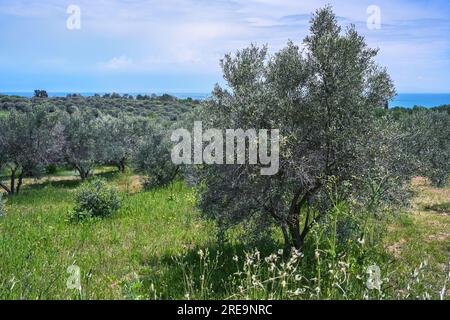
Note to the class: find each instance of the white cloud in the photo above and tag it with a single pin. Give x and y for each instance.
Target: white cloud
(118, 63)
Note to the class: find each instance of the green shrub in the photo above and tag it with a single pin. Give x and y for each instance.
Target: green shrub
(95, 199)
(76, 216)
(51, 169)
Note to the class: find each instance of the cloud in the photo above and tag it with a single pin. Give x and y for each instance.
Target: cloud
(118, 63)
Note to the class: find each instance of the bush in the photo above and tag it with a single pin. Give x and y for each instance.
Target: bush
(51, 169)
(95, 199)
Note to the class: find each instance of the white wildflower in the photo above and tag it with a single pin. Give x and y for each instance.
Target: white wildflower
(317, 254)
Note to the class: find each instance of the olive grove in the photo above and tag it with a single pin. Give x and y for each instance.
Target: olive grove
(82, 139)
(327, 98)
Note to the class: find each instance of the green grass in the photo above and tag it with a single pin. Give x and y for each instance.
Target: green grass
(423, 233)
(38, 244)
(149, 249)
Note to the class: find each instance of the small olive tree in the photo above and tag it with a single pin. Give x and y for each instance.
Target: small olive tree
(152, 157)
(119, 138)
(324, 100)
(82, 138)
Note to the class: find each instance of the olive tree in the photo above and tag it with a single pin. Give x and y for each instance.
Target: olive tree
(40, 94)
(427, 143)
(28, 142)
(152, 157)
(323, 99)
(82, 141)
(120, 136)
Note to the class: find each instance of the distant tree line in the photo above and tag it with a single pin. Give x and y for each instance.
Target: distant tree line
(165, 106)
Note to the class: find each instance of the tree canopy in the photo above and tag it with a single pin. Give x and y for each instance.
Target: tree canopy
(324, 100)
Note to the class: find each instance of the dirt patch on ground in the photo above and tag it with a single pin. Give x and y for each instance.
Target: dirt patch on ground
(429, 198)
(440, 236)
(396, 248)
(131, 184)
(126, 183)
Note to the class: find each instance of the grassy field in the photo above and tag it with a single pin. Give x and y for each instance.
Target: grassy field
(37, 244)
(151, 248)
(423, 234)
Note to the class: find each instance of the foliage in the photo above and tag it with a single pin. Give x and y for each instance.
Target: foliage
(427, 143)
(324, 100)
(113, 105)
(400, 110)
(344, 159)
(153, 158)
(51, 169)
(443, 108)
(109, 252)
(328, 268)
(29, 141)
(40, 94)
(82, 141)
(95, 199)
(119, 137)
(87, 130)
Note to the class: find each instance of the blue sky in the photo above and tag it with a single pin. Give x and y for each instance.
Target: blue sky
(176, 45)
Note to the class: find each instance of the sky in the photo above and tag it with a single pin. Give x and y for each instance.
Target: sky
(176, 45)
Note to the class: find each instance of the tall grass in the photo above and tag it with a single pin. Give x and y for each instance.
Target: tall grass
(357, 268)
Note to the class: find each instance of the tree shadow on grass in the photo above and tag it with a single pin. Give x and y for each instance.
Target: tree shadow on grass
(109, 175)
(174, 276)
(442, 208)
(60, 184)
(71, 182)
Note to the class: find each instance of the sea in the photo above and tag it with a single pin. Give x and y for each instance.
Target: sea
(429, 100)
(406, 100)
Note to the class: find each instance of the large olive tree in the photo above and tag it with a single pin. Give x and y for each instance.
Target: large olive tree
(28, 142)
(323, 99)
